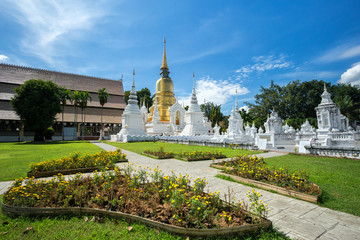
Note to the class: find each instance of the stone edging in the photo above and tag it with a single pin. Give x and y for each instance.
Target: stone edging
(240, 230)
(267, 186)
(69, 171)
(156, 157)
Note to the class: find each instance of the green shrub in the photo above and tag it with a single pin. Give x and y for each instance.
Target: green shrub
(49, 132)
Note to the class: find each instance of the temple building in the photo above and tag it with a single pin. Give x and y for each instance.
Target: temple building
(166, 115)
(164, 95)
(12, 76)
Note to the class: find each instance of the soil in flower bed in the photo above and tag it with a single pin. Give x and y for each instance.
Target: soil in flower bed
(166, 199)
(75, 161)
(255, 168)
(69, 171)
(201, 155)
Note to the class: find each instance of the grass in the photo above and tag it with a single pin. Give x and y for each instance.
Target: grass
(16, 157)
(71, 227)
(339, 179)
(139, 147)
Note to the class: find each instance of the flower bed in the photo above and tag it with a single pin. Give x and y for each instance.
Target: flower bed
(167, 200)
(200, 155)
(159, 154)
(254, 168)
(76, 163)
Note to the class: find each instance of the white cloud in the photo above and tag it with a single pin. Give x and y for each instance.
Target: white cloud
(50, 25)
(341, 52)
(352, 75)
(216, 91)
(3, 58)
(246, 108)
(263, 63)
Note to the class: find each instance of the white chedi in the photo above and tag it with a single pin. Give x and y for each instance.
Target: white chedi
(132, 119)
(274, 123)
(194, 117)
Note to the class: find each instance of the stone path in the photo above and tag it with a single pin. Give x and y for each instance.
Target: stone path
(295, 218)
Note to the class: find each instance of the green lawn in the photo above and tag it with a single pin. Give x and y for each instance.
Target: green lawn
(16, 157)
(338, 178)
(139, 147)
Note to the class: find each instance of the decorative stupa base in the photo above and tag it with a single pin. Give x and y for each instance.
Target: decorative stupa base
(158, 128)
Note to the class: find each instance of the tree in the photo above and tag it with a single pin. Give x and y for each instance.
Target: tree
(142, 95)
(103, 97)
(37, 102)
(75, 99)
(347, 97)
(126, 96)
(212, 112)
(247, 117)
(84, 97)
(65, 95)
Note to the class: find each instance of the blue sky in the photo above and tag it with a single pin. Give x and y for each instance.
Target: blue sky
(228, 44)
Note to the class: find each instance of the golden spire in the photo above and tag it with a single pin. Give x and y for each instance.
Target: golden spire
(164, 62)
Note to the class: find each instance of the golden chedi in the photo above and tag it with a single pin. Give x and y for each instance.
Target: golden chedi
(164, 95)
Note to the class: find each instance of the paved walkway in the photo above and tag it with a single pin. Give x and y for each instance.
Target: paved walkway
(295, 218)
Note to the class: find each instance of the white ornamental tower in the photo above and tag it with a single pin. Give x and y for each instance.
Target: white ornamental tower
(132, 119)
(235, 121)
(194, 117)
(329, 116)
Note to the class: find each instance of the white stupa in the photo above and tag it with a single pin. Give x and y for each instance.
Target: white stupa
(132, 118)
(333, 127)
(194, 117)
(235, 122)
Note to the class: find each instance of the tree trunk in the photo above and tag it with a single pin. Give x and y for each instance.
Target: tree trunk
(102, 126)
(84, 120)
(75, 124)
(63, 123)
(82, 124)
(39, 136)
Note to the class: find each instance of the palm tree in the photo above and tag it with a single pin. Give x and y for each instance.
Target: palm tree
(65, 94)
(75, 99)
(103, 97)
(84, 97)
(348, 108)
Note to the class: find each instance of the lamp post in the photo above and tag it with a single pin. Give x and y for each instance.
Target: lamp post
(18, 130)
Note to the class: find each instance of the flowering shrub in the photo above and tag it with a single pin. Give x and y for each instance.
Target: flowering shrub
(75, 160)
(160, 154)
(255, 168)
(256, 204)
(201, 155)
(171, 199)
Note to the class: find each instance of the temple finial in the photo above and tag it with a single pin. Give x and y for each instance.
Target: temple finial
(236, 102)
(164, 62)
(193, 80)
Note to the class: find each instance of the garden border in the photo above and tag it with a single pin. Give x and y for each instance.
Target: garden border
(155, 157)
(70, 171)
(194, 232)
(267, 186)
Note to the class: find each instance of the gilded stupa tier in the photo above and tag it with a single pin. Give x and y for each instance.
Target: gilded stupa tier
(164, 95)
